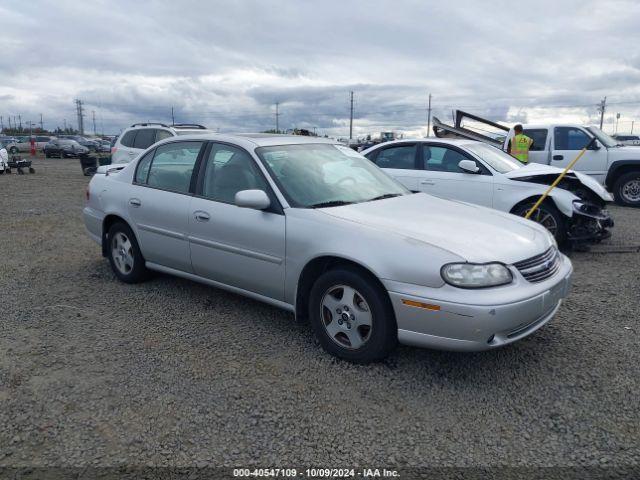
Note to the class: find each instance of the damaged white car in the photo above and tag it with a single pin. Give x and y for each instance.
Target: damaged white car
(478, 173)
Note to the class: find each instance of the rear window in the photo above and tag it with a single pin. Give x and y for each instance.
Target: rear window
(162, 134)
(128, 138)
(539, 137)
(43, 139)
(145, 138)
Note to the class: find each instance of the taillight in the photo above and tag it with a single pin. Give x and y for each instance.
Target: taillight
(113, 150)
(86, 194)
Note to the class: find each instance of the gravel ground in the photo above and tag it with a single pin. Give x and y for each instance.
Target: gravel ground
(96, 372)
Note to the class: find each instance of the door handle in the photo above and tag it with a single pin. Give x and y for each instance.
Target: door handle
(201, 216)
(558, 157)
(427, 182)
(134, 202)
(132, 153)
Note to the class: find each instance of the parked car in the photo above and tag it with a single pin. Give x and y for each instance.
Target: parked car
(140, 136)
(104, 146)
(64, 147)
(10, 144)
(91, 145)
(24, 143)
(478, 173)
(627, 139)
(315, 228)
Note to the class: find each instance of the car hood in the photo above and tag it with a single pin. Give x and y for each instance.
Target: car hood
(533, 170)
(475, 233)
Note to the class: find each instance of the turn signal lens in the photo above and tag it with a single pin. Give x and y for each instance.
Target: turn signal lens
(426, 306)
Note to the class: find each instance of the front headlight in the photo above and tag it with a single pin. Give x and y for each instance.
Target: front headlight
(474, 275)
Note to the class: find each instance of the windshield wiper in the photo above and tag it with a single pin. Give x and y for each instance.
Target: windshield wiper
(386, 195)
(331, 203)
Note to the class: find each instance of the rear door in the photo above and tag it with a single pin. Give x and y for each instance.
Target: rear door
(159, 203)
(539, 152)
(240, 247)
(441, 176)
(400, 161)
(567, 143)
(123, 147)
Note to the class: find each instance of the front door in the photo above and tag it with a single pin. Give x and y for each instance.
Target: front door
(567, 143)
(236, 246)
(159, 203)
(441, 176)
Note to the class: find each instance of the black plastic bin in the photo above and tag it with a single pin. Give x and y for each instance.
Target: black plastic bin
(89, 165)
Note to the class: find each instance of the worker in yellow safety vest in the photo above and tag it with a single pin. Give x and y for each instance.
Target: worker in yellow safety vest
(520, 145)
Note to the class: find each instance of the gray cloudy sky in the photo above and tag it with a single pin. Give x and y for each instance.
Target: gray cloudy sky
(225, 64)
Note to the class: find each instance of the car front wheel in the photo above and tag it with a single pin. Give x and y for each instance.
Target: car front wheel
(546, 215)
(626, 190)
(352, 316)
(124, 254)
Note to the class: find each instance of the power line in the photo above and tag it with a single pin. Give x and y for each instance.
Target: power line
(351, 118)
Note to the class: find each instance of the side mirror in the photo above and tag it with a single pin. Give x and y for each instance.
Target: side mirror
(469, 166)
(596, 145)
(255, 199)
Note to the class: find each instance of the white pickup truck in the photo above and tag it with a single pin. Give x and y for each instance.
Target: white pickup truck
(614, 165)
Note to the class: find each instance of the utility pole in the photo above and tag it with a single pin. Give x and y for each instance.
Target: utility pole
(632, 122)
(65, 125)
(601, 109)
(617, 120)
(9, 118)
(93, 115)
(41, 124)
(80, 116)
(351, 118)
(173, 119)
(20, 120)
(277, 119)
(2, 124)
(429, 118)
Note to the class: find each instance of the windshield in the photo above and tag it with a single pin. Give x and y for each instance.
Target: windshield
(317, 175)
(605, 139)
(66, 141)
(498, 160)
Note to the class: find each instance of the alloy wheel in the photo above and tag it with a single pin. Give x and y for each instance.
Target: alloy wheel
(122, 253)
(544, 218)
(630, 191)
(346, 317)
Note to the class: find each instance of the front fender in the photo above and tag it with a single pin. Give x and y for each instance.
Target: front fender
(515, 192)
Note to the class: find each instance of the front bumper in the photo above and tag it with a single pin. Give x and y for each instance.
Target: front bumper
(589, 224)
(496, 318)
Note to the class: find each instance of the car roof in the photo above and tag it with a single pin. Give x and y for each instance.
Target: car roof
(253, 140)
(446, 141)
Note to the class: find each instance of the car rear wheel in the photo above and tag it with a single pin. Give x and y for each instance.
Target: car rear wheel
(546, 215)
(626, 189)
(352, 317)
(124, 254)
(13, 150)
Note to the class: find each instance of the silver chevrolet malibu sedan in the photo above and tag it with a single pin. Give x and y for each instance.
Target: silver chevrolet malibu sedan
(313, 227)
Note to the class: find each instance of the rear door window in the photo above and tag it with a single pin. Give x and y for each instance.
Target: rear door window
(162, 134)
(401, 157)
(129, 138)
(145, 138)
(172, 166)
(539, 137)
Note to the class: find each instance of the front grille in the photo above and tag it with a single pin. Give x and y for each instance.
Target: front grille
(539, 268)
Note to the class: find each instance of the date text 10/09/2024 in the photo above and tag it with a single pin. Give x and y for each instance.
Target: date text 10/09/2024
(316, 472)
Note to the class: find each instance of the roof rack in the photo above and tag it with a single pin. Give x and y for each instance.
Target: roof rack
(189, 125)
(149, 123)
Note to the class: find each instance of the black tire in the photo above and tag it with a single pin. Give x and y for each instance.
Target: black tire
(546, 208)
(2, 172)
(381, 336)
(623, 188)
(138, 272)
(13, 150)
(47, 154)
